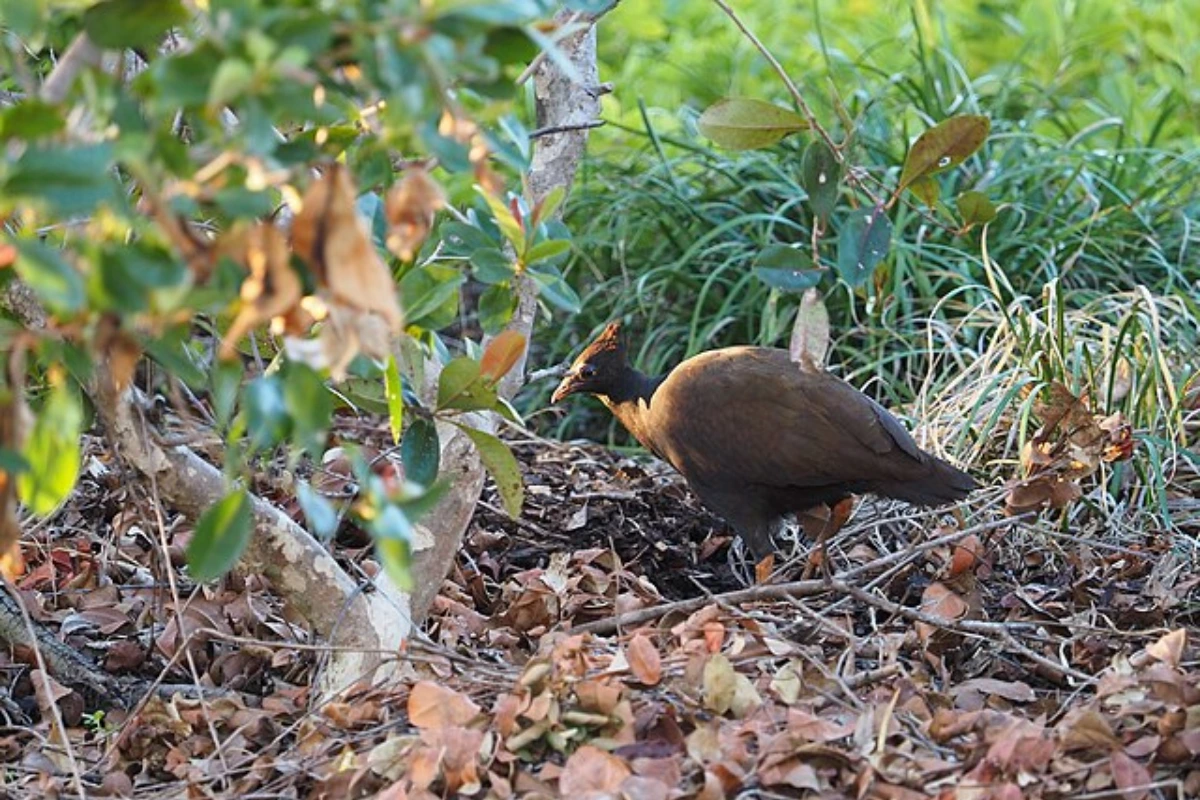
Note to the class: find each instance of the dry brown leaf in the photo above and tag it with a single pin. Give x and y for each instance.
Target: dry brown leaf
(501, 354)
(272, 289)
(433, 706)
(644, 661)
(590, 769)
(1087, 730)
(714, 636)
(1130, 776)
(939, 600)
(119, 348)
(411, 207)
(810, 334)
(328, 234)
(1169, 648)
(966, 555)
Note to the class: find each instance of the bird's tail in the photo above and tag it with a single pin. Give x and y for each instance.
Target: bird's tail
(943, 483)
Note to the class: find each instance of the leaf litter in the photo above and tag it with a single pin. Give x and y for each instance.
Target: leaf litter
(989, 657)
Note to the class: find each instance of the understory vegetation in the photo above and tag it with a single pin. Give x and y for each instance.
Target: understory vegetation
(1089, 274)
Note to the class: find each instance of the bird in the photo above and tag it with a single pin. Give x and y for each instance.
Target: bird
(757, 438)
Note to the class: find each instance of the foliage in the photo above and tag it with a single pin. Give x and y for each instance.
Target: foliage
(147, 210)
(1075, 205)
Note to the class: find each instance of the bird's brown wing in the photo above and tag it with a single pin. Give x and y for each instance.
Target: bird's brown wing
(750, 416)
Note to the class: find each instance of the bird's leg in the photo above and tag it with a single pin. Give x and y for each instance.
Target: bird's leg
(833, 518)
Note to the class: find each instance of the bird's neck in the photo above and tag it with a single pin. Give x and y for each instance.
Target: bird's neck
(630, 401)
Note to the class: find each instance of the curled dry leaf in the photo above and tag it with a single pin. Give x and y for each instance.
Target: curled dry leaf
(411, 207)
(644, 660)
(433, 706)
(355, 286)
(1071, 444)
(271, 291)
(939, 600)
(810, 334)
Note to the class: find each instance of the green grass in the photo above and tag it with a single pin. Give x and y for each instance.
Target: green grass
(1094, 260)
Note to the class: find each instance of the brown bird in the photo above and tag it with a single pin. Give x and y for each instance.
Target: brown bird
(758, 438)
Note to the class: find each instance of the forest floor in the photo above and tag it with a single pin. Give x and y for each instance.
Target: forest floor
(606, 645)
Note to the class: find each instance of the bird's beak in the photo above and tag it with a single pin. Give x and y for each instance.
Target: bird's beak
(568, 386)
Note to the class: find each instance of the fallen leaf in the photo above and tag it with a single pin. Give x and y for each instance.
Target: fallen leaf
(1169, 648)
(644, 661)
(590, 769)
(1130, 776)
(432, 706)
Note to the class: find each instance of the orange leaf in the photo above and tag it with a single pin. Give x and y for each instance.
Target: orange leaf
(714, 636)
(501, 354)
(644, 660)
(966, 555)
(433, 706)
(590, 769)
(272, 289)
(8, 255)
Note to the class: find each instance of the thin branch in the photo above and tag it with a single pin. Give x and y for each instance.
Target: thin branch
(552, 129)
(80, 54)
(787, 80)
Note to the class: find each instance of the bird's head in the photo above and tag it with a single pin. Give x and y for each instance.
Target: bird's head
(598, 369)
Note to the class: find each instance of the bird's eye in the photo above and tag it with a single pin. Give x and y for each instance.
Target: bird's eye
(587, 371)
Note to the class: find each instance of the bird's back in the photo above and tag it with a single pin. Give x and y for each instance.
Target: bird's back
(749, 419)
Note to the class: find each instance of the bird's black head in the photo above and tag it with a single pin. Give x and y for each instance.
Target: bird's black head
(599, 369)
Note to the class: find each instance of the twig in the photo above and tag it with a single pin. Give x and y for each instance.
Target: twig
(579, 126)
(989, 630)
(51, 704)
(81, 53)
(787, 80)
(782, 590)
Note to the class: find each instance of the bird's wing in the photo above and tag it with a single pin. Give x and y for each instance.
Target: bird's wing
(753, 417)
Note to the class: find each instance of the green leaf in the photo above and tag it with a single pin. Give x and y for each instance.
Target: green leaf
(786, 268)
(52, 453)
(420, 452)
(226, 379)
(975, 208)
(460, 239)
(944, 146)
(509, 227)
(927, 190)
(502, 465)
(544, 251)
(221, 536)
(310, 405)
(550, 203)
(69, 180)
(266, 412)
(820, 175)
(496, 307)
(232, 78)
(57, 283)
(394, 391)
(396, 557)
(30, 119)
(863, 240)
(461, 387)
(745, 124)
(118, 24)
(554, 288)
(490, 265)
(321, 515)
(425, 291)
